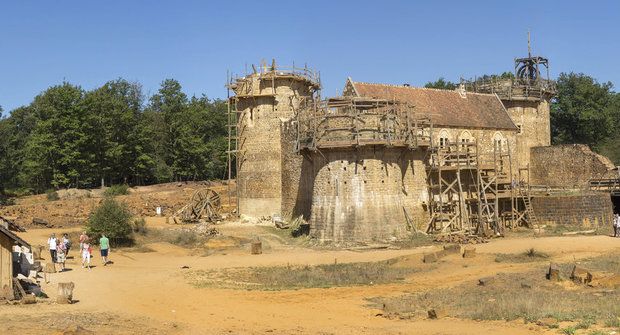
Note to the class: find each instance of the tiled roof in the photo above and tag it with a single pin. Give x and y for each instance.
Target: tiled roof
(447, 108)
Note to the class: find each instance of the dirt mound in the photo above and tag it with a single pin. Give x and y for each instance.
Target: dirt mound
(75, 205)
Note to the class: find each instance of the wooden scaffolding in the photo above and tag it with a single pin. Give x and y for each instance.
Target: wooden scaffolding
(469, 190)
(348, 122)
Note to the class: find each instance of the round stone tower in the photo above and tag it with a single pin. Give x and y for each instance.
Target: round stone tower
(526, 98)
(262, 107)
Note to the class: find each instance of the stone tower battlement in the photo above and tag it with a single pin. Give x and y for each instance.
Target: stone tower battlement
(262, 104)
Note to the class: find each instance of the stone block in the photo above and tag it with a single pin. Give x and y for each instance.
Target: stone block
(257, 247)
(437, 313)
(452, 248)
(469, 252)
(486, 281)
(554, 272)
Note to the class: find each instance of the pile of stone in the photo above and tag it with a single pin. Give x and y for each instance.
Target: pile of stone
(205, 229)
(461, 239)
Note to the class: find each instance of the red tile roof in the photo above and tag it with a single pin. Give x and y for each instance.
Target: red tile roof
(445, 107)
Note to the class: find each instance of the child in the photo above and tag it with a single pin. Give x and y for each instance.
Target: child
(61, 256)
(85, 253)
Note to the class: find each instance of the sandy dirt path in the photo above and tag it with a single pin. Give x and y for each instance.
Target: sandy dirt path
(151, 287)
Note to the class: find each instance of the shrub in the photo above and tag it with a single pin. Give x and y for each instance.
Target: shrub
(114, 190)
(6, 201)
(52, 195)
(139, 226)
(112, 219)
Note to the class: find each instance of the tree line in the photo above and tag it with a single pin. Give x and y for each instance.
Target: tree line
(70, 137)
(584, 111)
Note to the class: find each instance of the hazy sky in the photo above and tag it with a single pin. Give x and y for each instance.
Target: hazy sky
(88, 43)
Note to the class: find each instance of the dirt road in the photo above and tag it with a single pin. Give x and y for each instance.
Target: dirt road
(149, 292)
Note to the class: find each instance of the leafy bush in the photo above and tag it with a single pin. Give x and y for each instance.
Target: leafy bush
(139, 226)
(6, 201)
(112, 219)
(114, 190)
(52, 195)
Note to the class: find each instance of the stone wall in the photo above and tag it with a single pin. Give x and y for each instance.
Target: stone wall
(587, 210)
(533, 119)
(362, 195)
(568, 166)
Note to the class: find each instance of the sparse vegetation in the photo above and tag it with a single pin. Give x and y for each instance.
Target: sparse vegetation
(52, 195)
(114, 190)
(112, 219)
(530, 255)
(139, 226)
(297, 277)
(569, 330)
(505, 299)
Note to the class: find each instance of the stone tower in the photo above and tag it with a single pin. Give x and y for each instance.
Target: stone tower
(526, 98)
(261, 111)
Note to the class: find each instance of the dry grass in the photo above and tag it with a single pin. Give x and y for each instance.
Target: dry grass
(298, 277)
(513, 296)
(530, 255)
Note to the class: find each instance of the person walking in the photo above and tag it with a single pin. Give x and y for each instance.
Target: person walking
(66, 242)
(104, 245)
(85, 252)
(52, 242)
(616, 225)
(83, 237)
(61, 256)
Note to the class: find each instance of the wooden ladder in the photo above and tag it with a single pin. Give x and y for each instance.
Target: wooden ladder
(529, 209)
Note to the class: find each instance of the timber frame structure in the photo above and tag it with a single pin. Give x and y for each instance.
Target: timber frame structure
(469, 191)
(348, 122)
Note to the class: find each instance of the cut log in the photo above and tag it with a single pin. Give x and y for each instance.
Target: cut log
(65, 293)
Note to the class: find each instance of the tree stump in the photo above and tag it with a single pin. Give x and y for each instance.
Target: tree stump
(257, 247)
(581, 275)
(65, 293)
(554, 272)
(469, 252)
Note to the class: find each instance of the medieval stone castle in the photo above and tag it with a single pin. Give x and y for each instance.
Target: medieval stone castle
(382, 161)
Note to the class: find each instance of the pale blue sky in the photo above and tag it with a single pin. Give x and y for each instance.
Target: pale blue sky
(88, 43)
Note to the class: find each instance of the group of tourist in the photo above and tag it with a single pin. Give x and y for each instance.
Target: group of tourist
(59, 249)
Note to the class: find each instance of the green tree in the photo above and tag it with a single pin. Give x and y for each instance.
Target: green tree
(118, 144)
(55, 152)
(584, 111)
(112, 219)
(442, 84)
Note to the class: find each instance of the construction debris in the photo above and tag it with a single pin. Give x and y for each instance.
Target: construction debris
(460, 239)
(41, 222)
(204, 204)
(580, 275)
